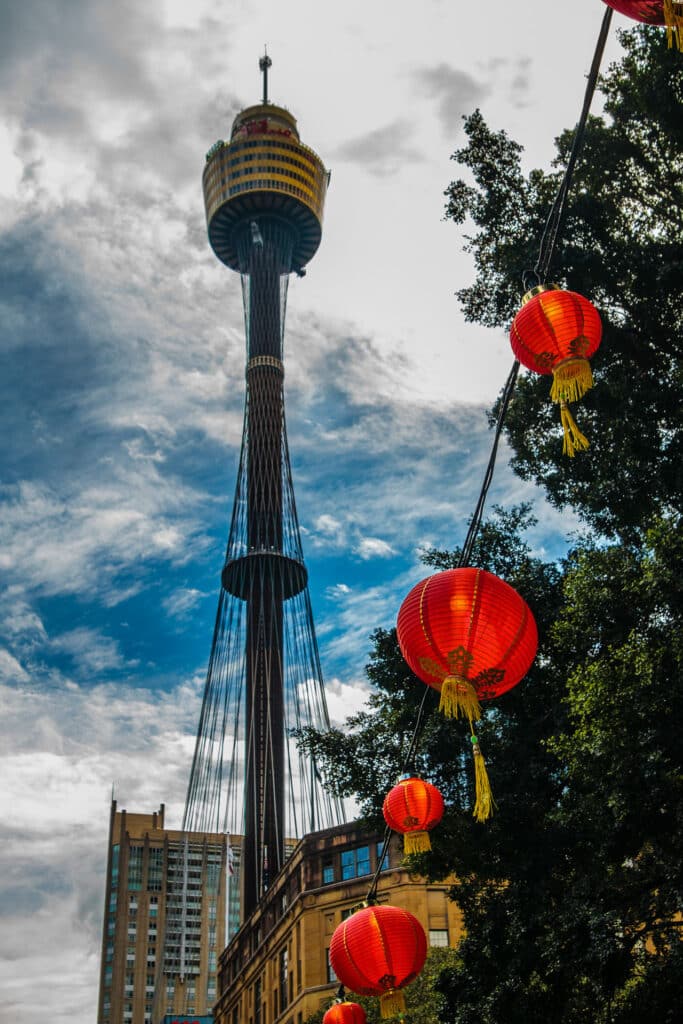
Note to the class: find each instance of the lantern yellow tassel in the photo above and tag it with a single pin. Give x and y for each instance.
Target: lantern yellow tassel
(572, 378)
(484, 803)
(391, 1003)
(574, 440)
(459, 697)
(416, 842)
(673, 17)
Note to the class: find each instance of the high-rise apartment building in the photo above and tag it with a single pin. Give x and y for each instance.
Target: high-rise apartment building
(164, 919)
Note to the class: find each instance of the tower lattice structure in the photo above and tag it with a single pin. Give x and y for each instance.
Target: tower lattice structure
(264, 193)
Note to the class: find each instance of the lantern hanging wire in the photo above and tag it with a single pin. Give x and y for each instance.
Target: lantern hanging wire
(529, 279)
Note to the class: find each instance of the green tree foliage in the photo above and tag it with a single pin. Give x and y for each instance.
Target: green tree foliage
(572, 894)
(622, 247)
(424, 1003)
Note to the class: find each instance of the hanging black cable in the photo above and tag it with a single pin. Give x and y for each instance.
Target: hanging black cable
(475, 522)
(529, 278)
(539, 274)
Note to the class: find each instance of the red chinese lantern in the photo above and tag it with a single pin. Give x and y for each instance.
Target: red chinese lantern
(555, 332)
(376, 952)
(345, 1013)
(413, 807)
(655, 12)
(471, 636)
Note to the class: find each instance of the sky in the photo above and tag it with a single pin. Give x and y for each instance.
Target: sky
(122, 384)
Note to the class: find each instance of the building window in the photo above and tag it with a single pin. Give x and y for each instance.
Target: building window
(155, 867)
(328, 872)
(355, 862)
(284, 972)
(331, 976)
(257, 1001)
(213, 874)
(115, 867)
(438, 936)
(135, 867)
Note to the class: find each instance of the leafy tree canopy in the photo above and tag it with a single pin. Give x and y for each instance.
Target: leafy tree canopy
(621, 247)
(572, 893)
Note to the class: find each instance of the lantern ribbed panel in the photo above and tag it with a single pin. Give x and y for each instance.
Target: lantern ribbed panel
(649, 11)
(378, 949)
(472, 610)
(345, 1013)
(553, 326)
(413, 806)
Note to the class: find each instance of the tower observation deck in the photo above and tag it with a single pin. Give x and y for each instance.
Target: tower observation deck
(264, 171)
(264, 193)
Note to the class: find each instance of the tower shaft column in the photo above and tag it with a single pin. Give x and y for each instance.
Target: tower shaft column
(269, 255)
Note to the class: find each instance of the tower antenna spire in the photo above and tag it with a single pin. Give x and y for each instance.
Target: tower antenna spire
(264, 63)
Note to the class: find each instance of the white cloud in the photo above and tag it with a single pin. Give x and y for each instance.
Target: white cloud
(182, 601)
(382, 151)
(93, 653)
(373, 547)
(328, 525)
(62, 751)
(345, 698)
(18, 619)
(55, 944)
(10, 164)
(457, 92)
(327, 532)
(10, 669)
(66, 543)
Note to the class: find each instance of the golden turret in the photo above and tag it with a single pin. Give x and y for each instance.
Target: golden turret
(264, 170)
